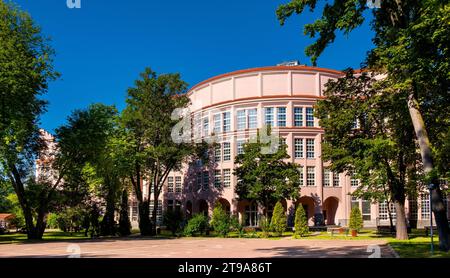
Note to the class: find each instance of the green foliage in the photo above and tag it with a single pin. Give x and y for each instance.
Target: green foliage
(26, 68)
(52, 221)
(173, 220)
(356, 221)
(266, 177)
(197, 225)
(300, 222)
(70, 220)
(238, 226)
(220, 221)
(278, 223)
(147, 118)
(265, 226)
(19, 220)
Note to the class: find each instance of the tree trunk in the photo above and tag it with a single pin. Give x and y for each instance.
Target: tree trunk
(145, 225)
(124, 221)
(425, 150)
(108, 224)
(401, 227)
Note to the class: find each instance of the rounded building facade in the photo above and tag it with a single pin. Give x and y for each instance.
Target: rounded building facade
(231, 108)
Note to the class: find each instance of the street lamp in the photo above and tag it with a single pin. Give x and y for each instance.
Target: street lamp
(431, 187)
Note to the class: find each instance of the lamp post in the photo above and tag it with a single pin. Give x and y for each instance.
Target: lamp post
(431, 187)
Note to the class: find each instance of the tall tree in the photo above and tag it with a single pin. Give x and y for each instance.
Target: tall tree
(266, 177)
(365, 134)
(412, 41)
(153, 152)
(100, 165)
(25, 70)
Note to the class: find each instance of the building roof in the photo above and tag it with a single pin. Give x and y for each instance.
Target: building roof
(4, 216)
(269, 68)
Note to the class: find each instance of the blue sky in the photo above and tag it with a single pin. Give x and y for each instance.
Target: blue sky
(102, 47)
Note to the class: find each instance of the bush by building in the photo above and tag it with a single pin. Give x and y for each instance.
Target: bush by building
(300, 222)
(279, 220)
(197, 225)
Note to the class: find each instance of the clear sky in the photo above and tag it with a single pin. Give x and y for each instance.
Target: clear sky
(102, 47)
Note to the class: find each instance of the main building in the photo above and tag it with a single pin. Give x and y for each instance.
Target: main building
(233, 106)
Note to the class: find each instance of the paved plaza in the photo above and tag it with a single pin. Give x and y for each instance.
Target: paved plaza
(200, 248)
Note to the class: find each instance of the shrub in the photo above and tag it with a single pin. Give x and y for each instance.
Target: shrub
(279, 221)
(356, 221)
(301, 222)
(264, 224)
(220, 222)
(237, 226)
(172, 220)
(198, 224)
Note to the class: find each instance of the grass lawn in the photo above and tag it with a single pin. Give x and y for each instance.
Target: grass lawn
(417, 247)
(48, 236)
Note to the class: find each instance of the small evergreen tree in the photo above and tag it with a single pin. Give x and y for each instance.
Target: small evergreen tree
(301, 222)
(221, 221)
(264, 224)
(173, 220)
(279, 221)
(124, 220)
(356, 221)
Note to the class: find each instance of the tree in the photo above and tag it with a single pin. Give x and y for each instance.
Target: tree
(124, 220)
(356, 221)
(300, 222)
(220, 221)
(278, 223)
(411, 48)
(95, 162)
(365, 135)
(25, 71)
(149, 123)
(173, 220)
(198, 224)
(266, 177)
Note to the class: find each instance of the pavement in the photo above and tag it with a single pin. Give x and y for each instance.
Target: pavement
(200, 248)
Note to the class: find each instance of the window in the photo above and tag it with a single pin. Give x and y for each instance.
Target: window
(383, 211)
(169, 205)
(298, 145)
(241, 120)
(217, 123)
(218, 153)
(205, 126)
(282, 143)
(309, 116)
(177, 184)
(170, 184)
(298, 116)
(309, 148)
(205, 180)
(366, 215)
(269, 117)
(425, 206)
(134, 211)
(226, 177)
(217, 178)
(310, 176)
(252, 118)
(251, 215)
(199, 180)
(356, 124)
(336, 182)
(354, 182)
(226, 121)
(281, 116)
(412, 209)
(240, 146)
(226, 151)
(326, 177)
(300, 169)
(158, 211)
